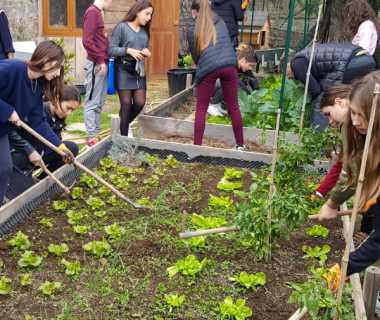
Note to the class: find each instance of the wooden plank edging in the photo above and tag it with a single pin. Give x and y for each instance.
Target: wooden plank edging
(11, 207)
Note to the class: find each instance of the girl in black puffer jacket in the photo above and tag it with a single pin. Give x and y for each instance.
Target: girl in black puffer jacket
(211, 50)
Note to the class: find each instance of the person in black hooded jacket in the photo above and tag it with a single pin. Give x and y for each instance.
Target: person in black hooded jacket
(231, 11)
(212, 52)
(6, 45)
(23, 144)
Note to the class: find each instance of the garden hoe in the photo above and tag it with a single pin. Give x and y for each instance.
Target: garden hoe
(82, 167)
(190, 234)
(184, 230)
(62, 186)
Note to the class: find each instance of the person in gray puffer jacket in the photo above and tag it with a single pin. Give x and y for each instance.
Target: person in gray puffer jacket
(333, 63)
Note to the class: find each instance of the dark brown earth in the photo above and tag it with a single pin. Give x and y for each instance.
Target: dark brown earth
(132, 282)
(184, 110)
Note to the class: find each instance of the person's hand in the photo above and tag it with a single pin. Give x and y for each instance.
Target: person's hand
(245, 4)
(103, 69)
(68, 157)
(138, 55)
(146, 52)
(333, 277)
(36, 158)
(327, 213)
(245, 17)
(15, 119)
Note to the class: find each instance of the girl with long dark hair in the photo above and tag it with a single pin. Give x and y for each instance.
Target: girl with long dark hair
(211, 49)
(130, 45)
(21, 87)
(23, 144)
(362, 22)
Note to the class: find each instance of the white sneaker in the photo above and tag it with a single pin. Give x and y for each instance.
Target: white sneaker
(215, 110)
(377, 309)
(130, 132)
(239, 148)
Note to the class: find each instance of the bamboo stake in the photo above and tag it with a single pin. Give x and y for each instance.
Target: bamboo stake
(271, 188)
(357, 198)
(188, 234)
(308, 75)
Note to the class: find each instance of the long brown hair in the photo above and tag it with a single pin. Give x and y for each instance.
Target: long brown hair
(135, 9)
(356, 12)
(48, 51)
(362, 96)
(205, 30)
(341, 91)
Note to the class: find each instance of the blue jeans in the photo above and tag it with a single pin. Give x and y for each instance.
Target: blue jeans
(6, 166)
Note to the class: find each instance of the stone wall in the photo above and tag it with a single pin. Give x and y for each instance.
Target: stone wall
(22, 14)
(184, 21)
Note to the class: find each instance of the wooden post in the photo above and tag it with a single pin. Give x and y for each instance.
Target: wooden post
(189, 80)
(271, 189)
(115, 124)
(371, 288)
(357, 197)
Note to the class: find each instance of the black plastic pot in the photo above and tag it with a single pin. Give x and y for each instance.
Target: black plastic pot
(81, 89)
(177, 80)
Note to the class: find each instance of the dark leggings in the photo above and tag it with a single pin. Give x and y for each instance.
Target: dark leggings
(131, 104)
(5, 166)
(229, 82)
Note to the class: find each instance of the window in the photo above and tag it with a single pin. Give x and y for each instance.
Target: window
(64, 17)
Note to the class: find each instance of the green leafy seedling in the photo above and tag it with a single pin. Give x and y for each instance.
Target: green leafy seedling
(98, 248)
(60, 205)
(25, 279)
(95, 203)
(160, 171)
(144, 202)
(86, 180)
(103, 174)
(170, 162)
(250, 281)
(153, 181)
(132, 178)
(100, 213)
(71, 267)
(81, 229)
(208, 223)
(221, 202)
(228, 186)
(317, 231)
(77, 193)
(139, 171)
(75, 217)
(232, 174)
(317, 254)
(238, 311)
(46, 223)
(20, 242)
(103, 192)
(113, 201)
(28, 259)
(189, 266)
(107, 163)
(122, 170)
(58, 249)
(174, 300)
(197, 242)
(4, 287)
(114, 230)
(48, 287)
(123, 185)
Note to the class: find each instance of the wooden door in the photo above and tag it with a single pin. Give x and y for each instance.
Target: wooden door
(164, 38)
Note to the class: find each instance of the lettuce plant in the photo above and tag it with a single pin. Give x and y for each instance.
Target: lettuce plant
(160, 171)
(238, 311)
(174, 300)
(132, 178)
(114, 178)
(87, 181)
(114, 230)
(20, 242)
(58, 249)
(107, 163)
(77, 193)
(250, 281)
(100, 213)
(232, 174)
(95, 203)
(75, 217)
(103, 174)
(28, 259)
(221, 202)
(208, 223)
(113, 201)
(226, 185)
(170, 162)
(46, 223)
(190, 266)
(139, 171)
(25, 279)
(81, 229)
(152, 159)
(103, 192)
(144, 202)
(48, 287)
(123, 185)
(316, 254)
(98, 248)
(71, 267)
(122, 170)
(153, 181)
(60, 205)
(4, 287)
(317, 231)
(197, 242)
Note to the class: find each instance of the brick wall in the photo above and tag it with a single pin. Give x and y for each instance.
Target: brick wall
(24, 14)
(184, 21)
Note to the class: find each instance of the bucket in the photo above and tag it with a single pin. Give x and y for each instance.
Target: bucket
(110, 87)
(177, 80)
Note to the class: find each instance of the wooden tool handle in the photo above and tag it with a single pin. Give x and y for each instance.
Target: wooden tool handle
(187, 235)
(62, 186)
(340, 214)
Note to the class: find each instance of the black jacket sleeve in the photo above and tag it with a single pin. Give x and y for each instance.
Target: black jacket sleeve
(238, 11)
(5, 34)
(252, 80)
(369, 252)
(20, 144)
(299, 68)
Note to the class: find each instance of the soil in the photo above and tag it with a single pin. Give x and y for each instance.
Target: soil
(250, 145)
(132, 282)
(184, 110)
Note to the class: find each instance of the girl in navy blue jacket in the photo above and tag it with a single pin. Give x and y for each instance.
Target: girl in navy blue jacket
(21, 87)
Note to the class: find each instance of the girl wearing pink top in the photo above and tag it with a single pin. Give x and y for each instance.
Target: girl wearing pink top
(362, 23)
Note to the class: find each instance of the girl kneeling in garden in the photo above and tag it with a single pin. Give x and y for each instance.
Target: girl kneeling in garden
(23, 144)
(211, 49)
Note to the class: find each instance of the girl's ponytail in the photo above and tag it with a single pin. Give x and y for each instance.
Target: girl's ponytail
(205, 30)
